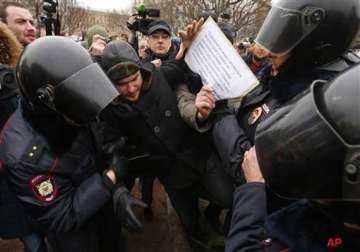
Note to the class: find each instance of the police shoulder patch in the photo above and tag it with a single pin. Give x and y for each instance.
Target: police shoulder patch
(44, 187)
(255, 115)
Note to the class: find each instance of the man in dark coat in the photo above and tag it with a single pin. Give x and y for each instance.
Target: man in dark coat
(146, 114)
(160, 48)
(160, 43)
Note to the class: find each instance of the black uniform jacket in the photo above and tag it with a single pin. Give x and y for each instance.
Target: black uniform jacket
(153, 126)
(60, 191)
(301, 227)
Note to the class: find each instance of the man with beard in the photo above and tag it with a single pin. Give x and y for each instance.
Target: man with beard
(19, 20)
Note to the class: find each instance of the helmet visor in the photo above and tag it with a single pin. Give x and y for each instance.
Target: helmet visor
(82, 96)
(284, 28)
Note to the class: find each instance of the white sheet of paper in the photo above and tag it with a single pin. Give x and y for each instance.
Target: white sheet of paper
(214, 58)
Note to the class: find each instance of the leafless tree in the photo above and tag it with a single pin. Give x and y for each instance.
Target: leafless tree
(116, 21)
(245, 15)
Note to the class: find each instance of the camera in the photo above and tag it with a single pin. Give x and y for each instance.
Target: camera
(141, 20)
(49, 6)
(225, 16)
(244, 45)
(51, 18)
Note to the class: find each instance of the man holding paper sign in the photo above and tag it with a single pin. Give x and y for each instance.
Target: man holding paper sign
(146, 114)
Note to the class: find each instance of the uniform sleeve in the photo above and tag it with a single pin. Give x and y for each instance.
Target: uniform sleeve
(54, 201)
(247, 223)
(187, 109)
(231, 143)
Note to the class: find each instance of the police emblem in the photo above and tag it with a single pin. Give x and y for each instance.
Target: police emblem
(44, 187)
(254, 115)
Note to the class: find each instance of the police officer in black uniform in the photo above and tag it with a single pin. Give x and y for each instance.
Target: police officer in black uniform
(306, 40)
(49, 152)
(316, 156)
(300, 36)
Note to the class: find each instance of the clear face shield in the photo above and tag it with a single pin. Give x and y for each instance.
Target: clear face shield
(284, 28)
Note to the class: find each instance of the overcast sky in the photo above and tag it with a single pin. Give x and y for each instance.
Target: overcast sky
(107, 4)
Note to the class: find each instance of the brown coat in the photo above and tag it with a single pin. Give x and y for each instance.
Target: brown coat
(10, 48)
(187, 109)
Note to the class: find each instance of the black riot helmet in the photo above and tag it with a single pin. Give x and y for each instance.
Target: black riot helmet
(56, 74)
(315, 31)
(311, 147)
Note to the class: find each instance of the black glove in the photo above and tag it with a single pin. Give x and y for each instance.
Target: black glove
(123, 204)
(118, 162)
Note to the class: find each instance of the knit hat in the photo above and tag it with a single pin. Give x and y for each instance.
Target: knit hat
(120, 60)
(93, 30)
(122, 70)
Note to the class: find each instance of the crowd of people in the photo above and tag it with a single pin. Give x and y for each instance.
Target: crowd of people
(80, 122)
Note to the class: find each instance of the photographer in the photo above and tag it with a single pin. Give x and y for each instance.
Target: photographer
(161, 47)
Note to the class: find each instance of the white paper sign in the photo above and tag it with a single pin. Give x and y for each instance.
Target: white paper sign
(214, 58)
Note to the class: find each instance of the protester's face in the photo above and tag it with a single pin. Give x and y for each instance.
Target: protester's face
(21, 23)
(277, 60)
(159, 42)
(130, 86)
(143, 45)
